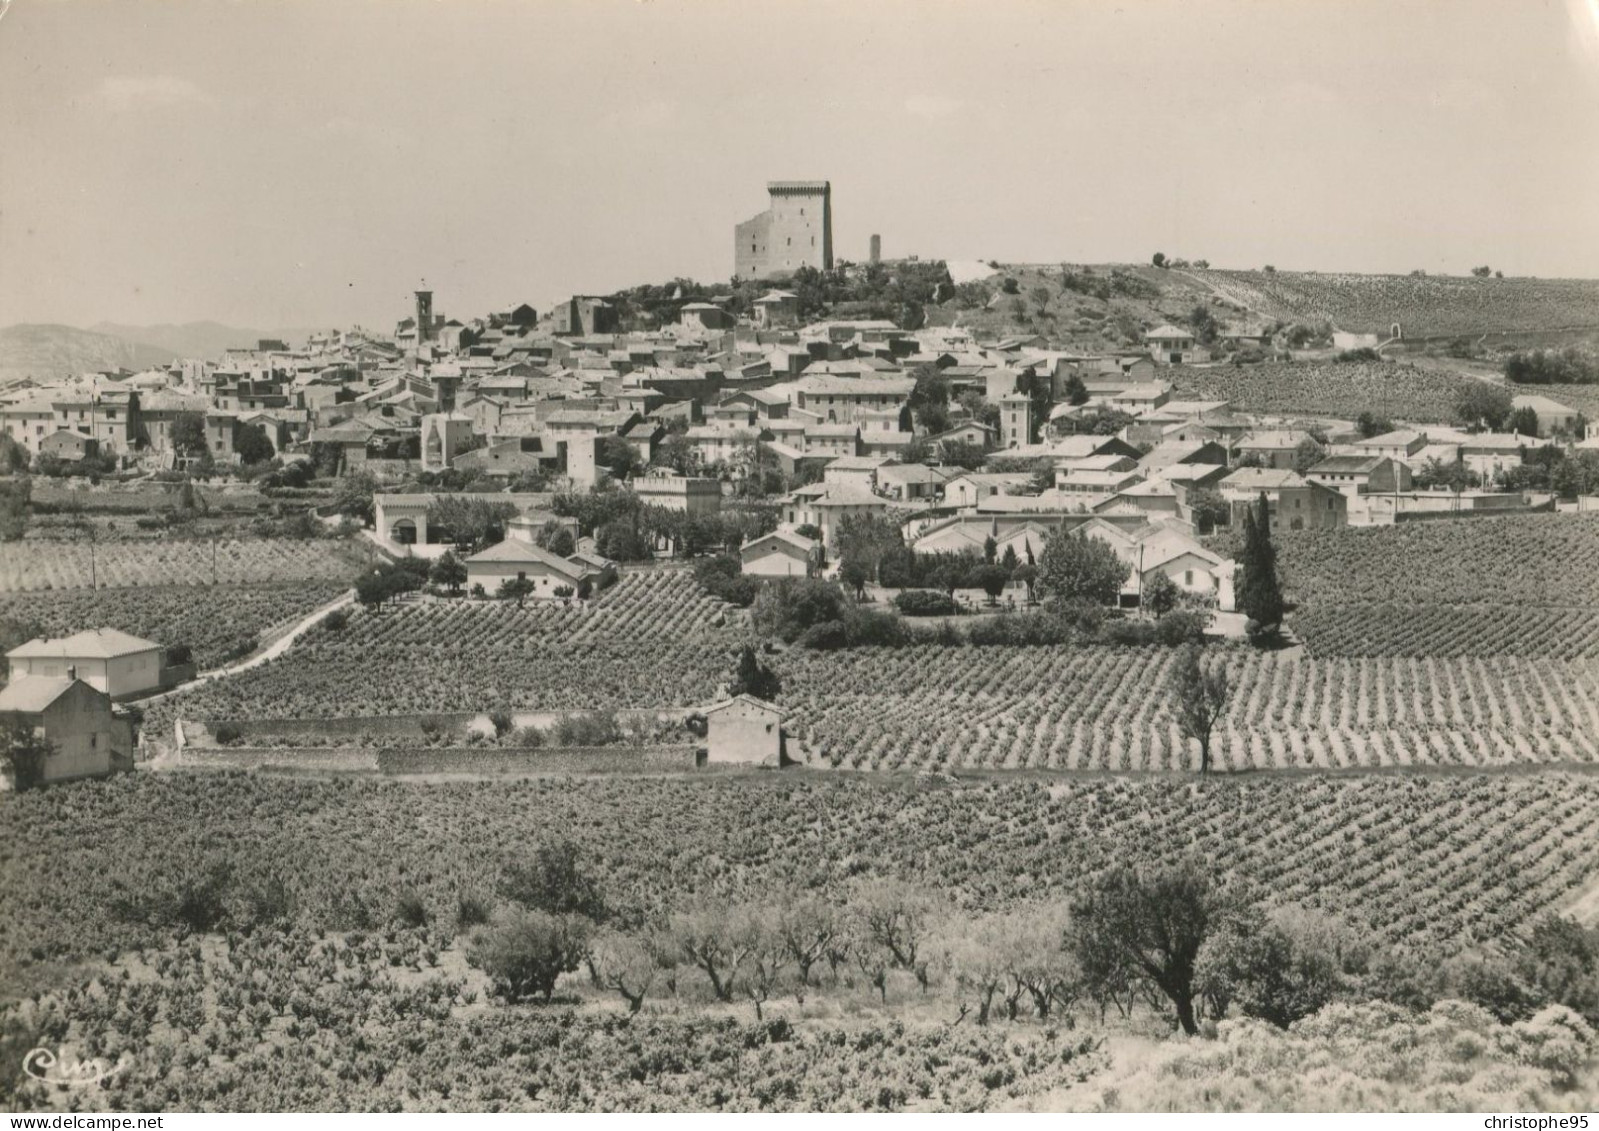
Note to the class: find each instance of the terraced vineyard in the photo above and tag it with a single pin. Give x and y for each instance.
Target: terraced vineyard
(654, 640)
(1343, 391)
(31, 565)
(1425, 306)
(931, 708)
(212, 621)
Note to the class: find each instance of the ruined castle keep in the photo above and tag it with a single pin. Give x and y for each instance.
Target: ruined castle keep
(796, 231)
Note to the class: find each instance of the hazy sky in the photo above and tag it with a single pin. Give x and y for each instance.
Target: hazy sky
(292, 163)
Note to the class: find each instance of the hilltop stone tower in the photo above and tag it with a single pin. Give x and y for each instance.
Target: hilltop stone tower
(876, 254)
(796, 231)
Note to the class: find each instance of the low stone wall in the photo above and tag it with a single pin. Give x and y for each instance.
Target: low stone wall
(339, 759)
(541, 760)
(401, 761)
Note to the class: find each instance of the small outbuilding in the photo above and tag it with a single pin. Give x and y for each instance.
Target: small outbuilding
(744, 731)
(86, 739)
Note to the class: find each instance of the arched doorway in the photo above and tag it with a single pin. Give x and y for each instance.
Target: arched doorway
(403, 532)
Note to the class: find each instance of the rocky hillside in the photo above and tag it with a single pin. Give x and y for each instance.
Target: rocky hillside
(47, 350)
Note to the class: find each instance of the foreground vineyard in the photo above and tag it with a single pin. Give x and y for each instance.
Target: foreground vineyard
(1108, 709)
(32, 565)
(1418, 860)
(654, 640)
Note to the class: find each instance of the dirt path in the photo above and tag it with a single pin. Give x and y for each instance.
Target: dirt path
(279, 646)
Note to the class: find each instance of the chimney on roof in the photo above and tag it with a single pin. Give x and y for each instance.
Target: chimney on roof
(72, 672)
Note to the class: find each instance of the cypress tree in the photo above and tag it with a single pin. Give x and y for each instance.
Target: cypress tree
(1260, 595)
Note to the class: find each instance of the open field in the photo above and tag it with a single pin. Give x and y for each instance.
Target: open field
(211, 620)
(651, 641)
(1340, 390)
(934, 708)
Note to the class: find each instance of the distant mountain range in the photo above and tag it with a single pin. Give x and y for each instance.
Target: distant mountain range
(191, 339)
(51, 350)
(47, 350)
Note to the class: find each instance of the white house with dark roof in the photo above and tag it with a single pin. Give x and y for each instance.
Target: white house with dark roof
(1169, 345)
(515, 558)
(105, 659)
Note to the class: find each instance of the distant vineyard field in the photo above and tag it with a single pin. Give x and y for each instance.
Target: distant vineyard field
(210, 620)
(1520, 560)
(935, 708)
(1449, 631)
(1344, 391)
(29, 566)
(1428, 306)
(652, 641)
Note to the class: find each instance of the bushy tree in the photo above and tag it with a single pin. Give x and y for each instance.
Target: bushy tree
(252, 444)
(1208, 509)
(517, 589)
(555, 881)
(24, 750)
(557, 538)
(755, 678)
(1262, 967)
(1307, 455)
(15, 495)
(1199, 699)
(1075, 567)
(187, 434)
(448, 571)
(526, 953)
(1481, 405)
(1161, 594)
(1147, 928)
(1523, 422)
(353, 497)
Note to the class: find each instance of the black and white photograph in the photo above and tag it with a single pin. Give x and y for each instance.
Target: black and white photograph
(799, 556)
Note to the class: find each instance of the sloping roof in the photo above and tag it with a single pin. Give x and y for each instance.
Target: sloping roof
(1539, 403)
(1347, 465)
(1262, 478)
(1391, 439)
(91, 644)
(33, 693)
(786, 537)
(857, 386)
(847, 496)
(1167, 332)
(760, 704)
(516, 551)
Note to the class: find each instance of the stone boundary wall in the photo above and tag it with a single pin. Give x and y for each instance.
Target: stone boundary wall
(543, 759)
(401, 761)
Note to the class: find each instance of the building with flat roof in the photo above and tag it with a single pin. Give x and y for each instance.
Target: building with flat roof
(796, 231)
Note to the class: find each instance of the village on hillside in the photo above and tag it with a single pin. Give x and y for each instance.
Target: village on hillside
(520, 455)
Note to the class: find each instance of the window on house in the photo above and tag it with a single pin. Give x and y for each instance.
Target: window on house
(1188, 577)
